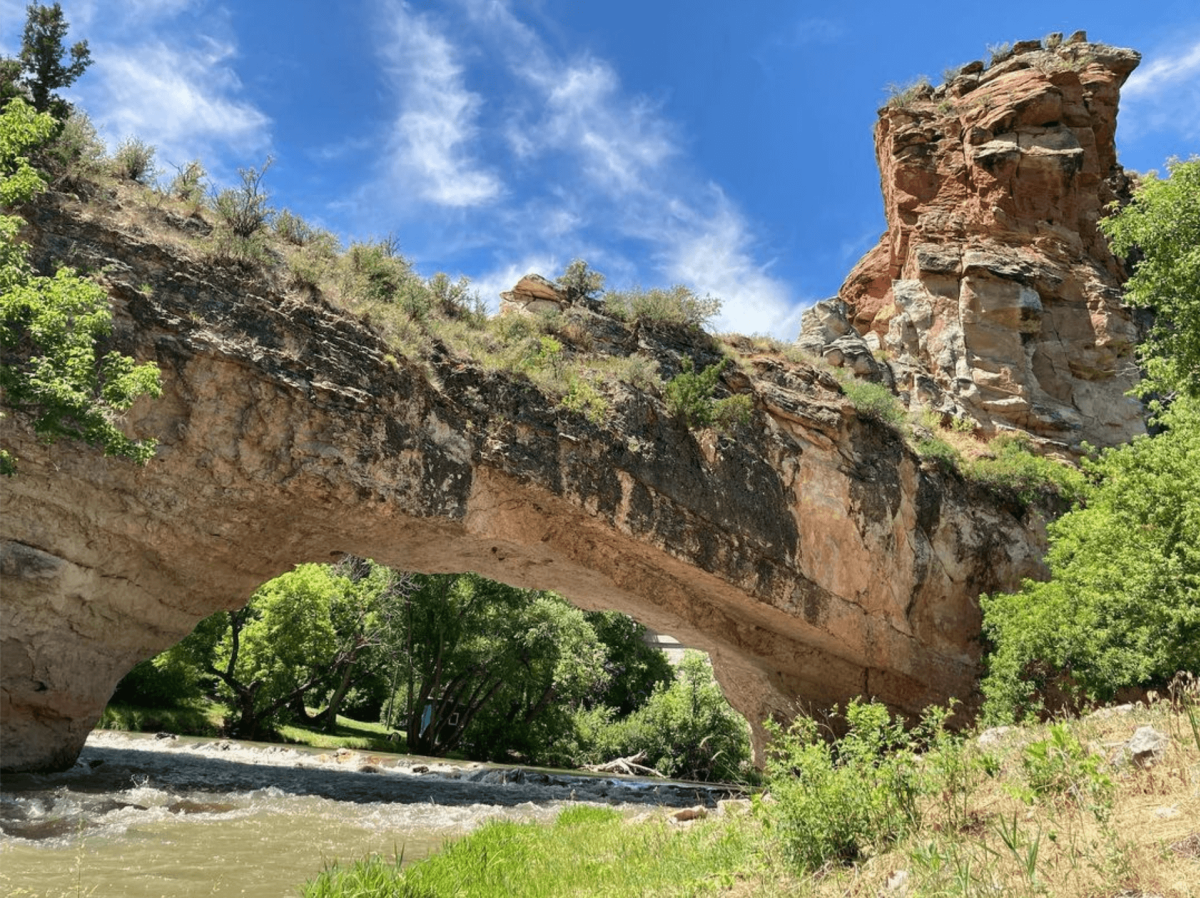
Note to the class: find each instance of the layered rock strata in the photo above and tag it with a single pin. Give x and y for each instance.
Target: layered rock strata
(992, 295)
(809, 552)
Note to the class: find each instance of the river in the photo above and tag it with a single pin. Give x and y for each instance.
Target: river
(147, 817)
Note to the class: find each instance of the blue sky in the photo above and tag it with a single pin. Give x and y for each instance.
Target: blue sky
(722, 145)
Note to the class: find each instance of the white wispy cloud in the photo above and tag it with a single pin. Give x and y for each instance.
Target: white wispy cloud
(1163, 94)
(174, 87)
(715, 256)
(1163, 73)
(183, 100)
(627, 173)
(430, 143)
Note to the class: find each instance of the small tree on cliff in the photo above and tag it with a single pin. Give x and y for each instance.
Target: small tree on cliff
(40, 68)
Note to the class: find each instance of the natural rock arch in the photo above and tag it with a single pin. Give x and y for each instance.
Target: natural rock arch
(813, 556)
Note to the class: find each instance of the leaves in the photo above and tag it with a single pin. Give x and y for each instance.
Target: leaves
(50, 327)
(1161, 230)
(1122, 606)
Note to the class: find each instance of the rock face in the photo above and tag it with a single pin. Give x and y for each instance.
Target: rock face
(992, 291)
(809, 552)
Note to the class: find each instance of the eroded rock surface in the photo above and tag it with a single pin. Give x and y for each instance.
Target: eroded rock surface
(992, 293)
(809, 552)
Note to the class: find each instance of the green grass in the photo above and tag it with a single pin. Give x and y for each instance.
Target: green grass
(192, 719)
(587, 851)
(346, 733)
(205, 718)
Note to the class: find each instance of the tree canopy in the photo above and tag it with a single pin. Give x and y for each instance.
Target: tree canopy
(1122, 605)
(1160, 231)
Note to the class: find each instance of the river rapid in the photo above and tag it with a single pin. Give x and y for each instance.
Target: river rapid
(144, 816)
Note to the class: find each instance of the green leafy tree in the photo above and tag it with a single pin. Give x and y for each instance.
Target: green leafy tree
(304, 636)
(634, 667)
(50, 326)
(1161, 230)
(490, 664)
(1122, 605)
(367, 620)
(556, 663)
(42, 66)
(686, 729)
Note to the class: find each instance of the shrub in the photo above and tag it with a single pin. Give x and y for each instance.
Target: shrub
(375, 272)
(1015, 468)
(580, 281)
(677, 304)
(732, 411)
(901, 96)
(998, 52)
(874, 401)
(76, 153)
(686, 728)
(456, 298)
(937, 450)
(689, 394)
(583, 397)
(134, 161)
(188, 184)
(292, 228)
(244, 210)
(1061, 767)
(834, 801)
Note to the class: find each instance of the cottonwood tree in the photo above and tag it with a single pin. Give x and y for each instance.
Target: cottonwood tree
(557, 662)
(633, 667)
(304, 635)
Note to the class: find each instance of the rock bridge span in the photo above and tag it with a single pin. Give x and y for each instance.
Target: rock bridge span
(809, 552)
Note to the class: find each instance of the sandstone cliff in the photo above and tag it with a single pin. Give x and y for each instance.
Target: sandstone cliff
(992, 295)
(810, 552)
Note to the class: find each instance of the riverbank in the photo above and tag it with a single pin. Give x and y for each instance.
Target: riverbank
(205, 718)
(1108, 805)
(1074, 809)
(146, 816)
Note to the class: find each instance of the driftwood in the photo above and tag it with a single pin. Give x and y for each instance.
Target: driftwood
(631, 766)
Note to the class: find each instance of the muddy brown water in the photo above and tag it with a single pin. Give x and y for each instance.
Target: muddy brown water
(139, 816)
